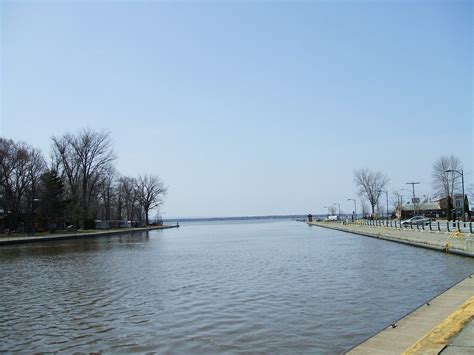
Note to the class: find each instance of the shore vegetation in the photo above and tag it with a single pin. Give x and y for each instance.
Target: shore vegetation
(76, 186)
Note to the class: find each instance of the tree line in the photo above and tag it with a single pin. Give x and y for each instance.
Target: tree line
(78, 185)
(445, 182)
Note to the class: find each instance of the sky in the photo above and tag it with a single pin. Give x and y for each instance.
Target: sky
(247, 107)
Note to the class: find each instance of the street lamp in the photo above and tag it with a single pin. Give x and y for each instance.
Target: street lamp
(339, 205)
(462, 181)
(355, 206)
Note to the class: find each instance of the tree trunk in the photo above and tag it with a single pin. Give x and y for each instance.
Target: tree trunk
(146, 217)
(83, 206)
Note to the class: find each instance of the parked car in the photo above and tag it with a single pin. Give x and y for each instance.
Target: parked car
(417, 220)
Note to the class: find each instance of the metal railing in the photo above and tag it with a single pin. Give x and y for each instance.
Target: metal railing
(433, 226)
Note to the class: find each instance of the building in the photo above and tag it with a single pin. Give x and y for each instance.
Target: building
(428, 209)
(435, 209)
(458, 203)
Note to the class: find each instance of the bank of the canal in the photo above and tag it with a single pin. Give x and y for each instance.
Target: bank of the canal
(9, 240)
(442, 325)
(462, 244)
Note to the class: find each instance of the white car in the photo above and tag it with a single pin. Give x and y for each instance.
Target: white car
(417, 220)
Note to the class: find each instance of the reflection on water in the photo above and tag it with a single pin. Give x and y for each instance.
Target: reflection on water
(224, 287)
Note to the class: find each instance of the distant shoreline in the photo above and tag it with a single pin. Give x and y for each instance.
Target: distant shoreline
(238, 218)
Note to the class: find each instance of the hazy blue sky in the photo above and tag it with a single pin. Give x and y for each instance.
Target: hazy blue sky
(247, 108)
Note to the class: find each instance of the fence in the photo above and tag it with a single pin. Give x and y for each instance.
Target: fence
(437, 226)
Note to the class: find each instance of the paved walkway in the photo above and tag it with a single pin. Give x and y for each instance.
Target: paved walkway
(453, 242)
(13, 239)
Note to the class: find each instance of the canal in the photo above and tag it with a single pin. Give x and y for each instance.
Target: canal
(254, 286)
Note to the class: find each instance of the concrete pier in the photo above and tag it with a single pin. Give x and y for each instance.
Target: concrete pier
(452, 242)
(12, 239)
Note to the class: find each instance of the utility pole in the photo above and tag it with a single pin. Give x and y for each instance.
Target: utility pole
(463, 197)
(413, 199)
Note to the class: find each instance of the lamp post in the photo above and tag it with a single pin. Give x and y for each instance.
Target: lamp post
(462, 181)
(339, 205)
(355, 206)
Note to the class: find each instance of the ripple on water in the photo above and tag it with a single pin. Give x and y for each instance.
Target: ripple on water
(276, 287)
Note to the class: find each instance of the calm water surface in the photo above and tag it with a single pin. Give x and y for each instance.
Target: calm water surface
(273, 287)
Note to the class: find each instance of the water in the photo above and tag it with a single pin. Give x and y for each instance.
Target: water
(266, 286)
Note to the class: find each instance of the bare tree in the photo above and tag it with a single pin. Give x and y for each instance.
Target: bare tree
(20, 169)
(107, 194)
(65, 161)
(7, 153)
(445, 182)
(332, 210)
(150, 193)
(127, 197)
(35, 168)
(396, 200)
(370, 185)
(84, 158)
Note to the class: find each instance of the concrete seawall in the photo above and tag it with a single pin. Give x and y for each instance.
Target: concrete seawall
(456, 243)
(52, 237)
